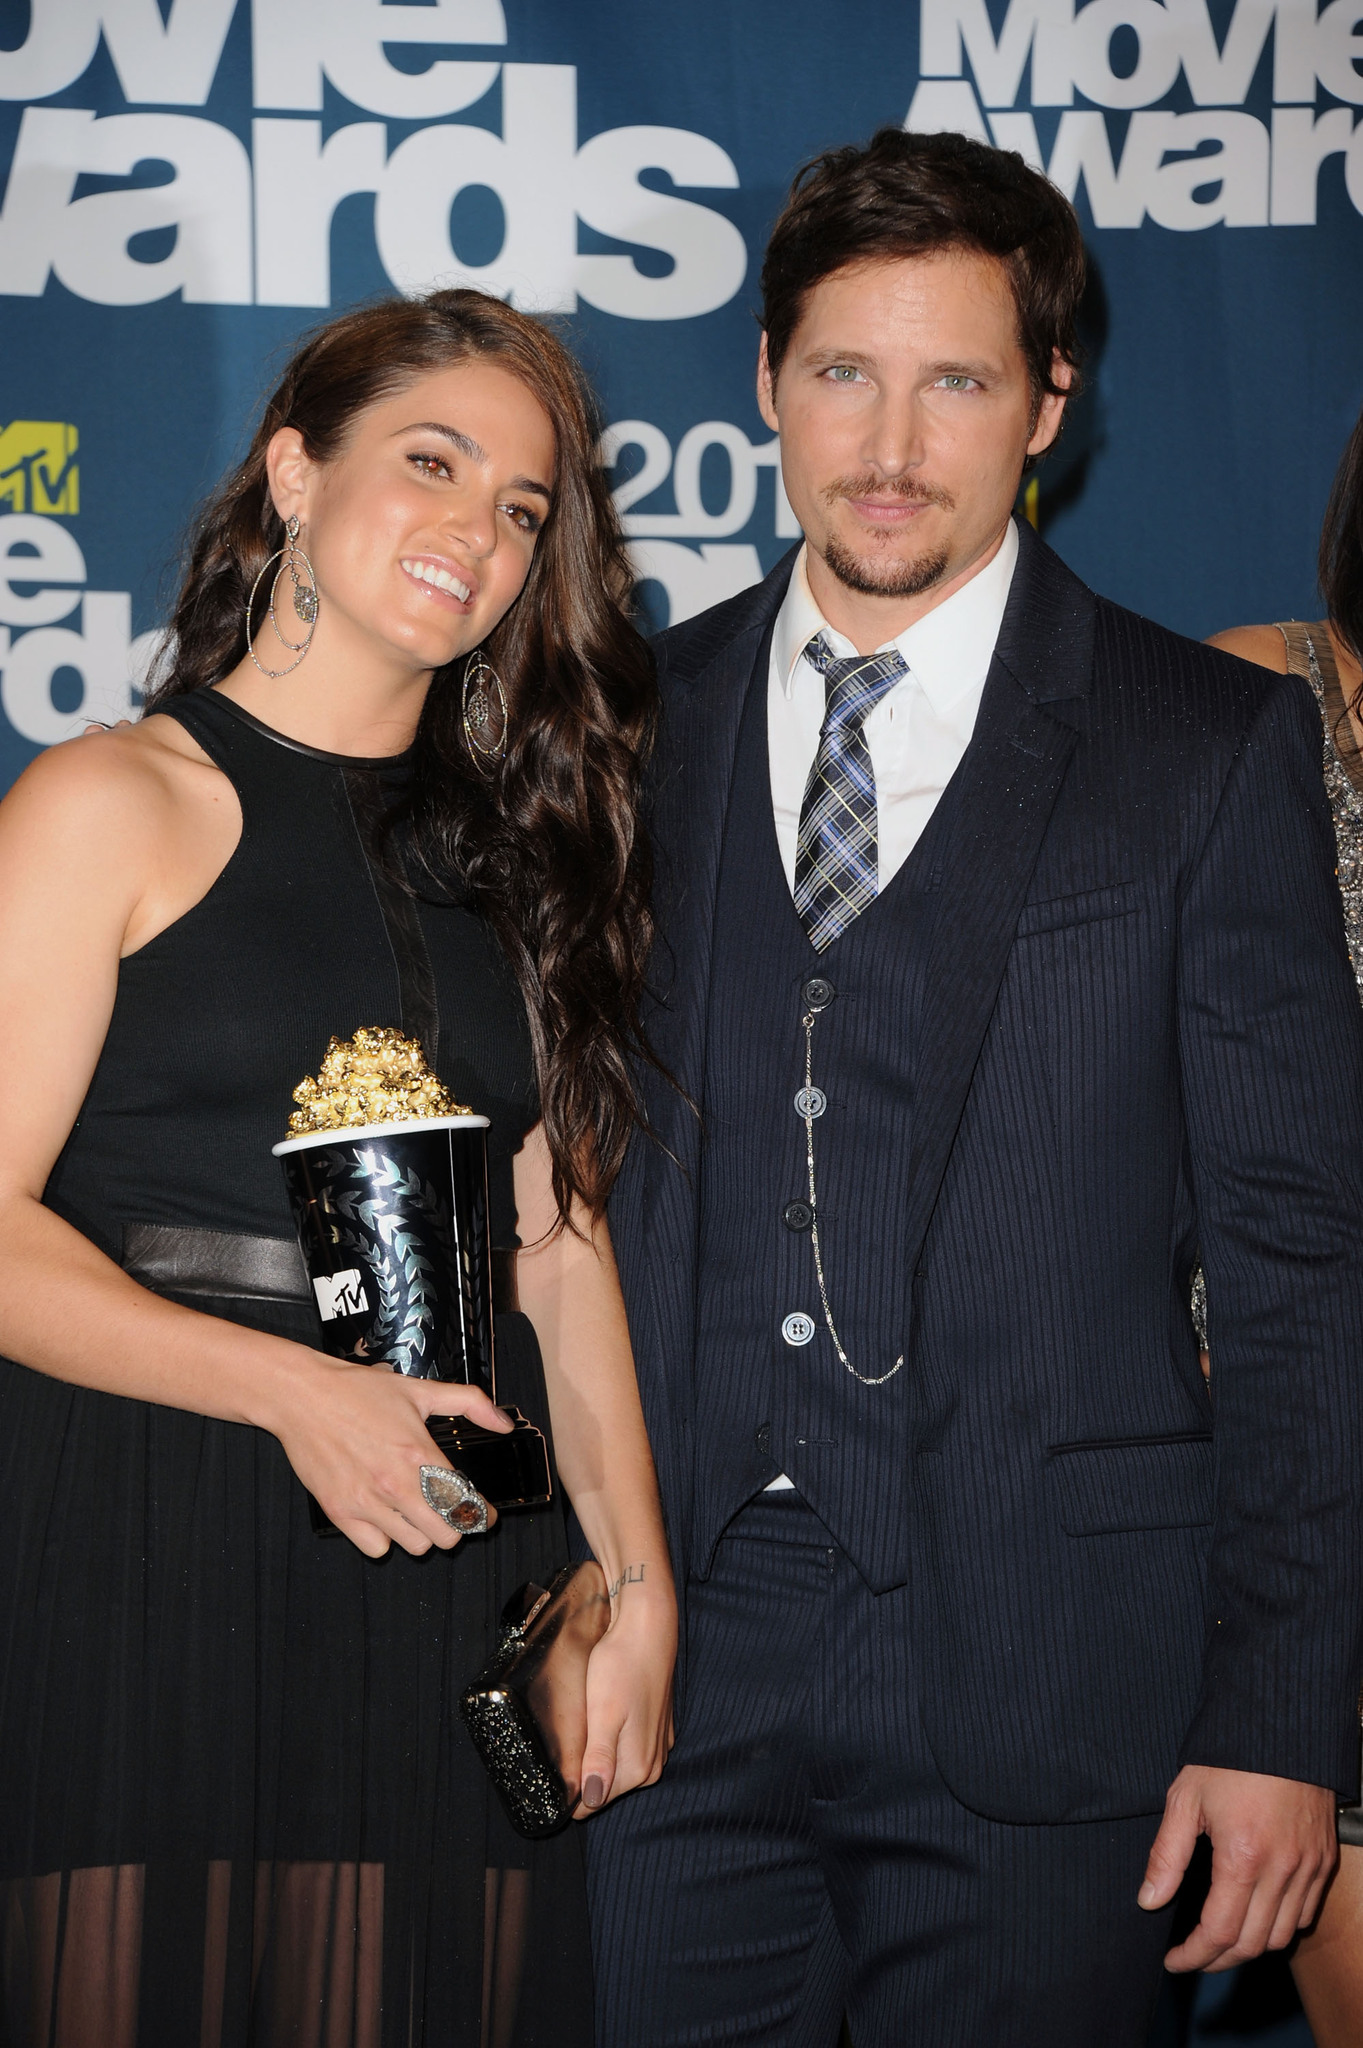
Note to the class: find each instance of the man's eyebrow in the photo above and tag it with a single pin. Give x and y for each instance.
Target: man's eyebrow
(475, 452)
(824, 358)
(979, 370)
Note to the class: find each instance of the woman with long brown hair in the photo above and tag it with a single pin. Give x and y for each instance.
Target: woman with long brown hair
(394, 746)
(1327, 1961)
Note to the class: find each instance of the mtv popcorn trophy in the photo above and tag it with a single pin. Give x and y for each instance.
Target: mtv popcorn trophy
(388, 1180)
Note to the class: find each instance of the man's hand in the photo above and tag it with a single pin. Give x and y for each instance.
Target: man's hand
(1273, 1849)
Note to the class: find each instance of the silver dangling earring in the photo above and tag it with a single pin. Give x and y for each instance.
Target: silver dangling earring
(485, 735)
(304, 601)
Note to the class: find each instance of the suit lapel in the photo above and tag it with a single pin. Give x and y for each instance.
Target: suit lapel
(1011, 776)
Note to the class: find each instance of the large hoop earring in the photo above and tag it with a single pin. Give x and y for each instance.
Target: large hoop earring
(305, 601)
(485, 734)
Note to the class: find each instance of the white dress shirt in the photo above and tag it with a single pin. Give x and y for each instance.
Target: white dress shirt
(917, 733)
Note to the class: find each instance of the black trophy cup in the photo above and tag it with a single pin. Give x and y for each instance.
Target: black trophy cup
(393, 1223)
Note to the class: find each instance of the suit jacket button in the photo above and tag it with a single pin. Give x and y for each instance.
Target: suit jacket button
(797, 1215)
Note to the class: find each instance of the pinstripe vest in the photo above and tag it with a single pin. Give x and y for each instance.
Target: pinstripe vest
(766, 1404)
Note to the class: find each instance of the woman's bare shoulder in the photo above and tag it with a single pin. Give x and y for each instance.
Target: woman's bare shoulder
(1263, 645)
(114, 787)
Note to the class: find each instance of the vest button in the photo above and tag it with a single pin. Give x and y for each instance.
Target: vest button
(797, 1329)
(797, 1215)
(818, 992)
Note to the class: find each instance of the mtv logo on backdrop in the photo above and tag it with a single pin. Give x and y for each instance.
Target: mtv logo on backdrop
(38, 469)
(1257, 174)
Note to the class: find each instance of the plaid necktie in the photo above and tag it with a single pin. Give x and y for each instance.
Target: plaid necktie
(837, 868)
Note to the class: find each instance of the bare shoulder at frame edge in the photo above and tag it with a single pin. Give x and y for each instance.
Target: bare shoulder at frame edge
(1263, 645)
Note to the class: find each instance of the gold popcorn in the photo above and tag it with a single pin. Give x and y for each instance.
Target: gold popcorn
(376, 1077)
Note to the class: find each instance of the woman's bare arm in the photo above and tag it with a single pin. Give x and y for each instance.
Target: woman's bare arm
(570, 1289)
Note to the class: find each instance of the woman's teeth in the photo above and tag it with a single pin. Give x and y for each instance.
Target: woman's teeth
(427, 572)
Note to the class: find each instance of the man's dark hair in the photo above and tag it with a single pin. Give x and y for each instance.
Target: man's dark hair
(916, 195)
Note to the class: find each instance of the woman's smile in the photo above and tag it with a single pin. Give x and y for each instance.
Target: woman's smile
(441, 581)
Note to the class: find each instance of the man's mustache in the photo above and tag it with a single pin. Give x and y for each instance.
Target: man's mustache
(869, 485)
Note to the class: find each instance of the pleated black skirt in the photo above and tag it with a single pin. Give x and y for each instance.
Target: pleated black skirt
(237, 1802)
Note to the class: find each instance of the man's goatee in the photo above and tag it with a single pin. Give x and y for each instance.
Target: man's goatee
(885, 578)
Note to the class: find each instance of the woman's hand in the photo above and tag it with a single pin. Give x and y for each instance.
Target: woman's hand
(629, 1690)
(356, 1436)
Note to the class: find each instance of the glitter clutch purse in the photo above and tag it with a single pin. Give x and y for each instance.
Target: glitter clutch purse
(527, 1713)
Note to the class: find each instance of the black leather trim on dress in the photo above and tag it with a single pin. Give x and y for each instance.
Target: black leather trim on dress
(177, 1259)
(282, 739)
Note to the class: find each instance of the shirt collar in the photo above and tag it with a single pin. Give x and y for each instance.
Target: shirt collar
(948, 650)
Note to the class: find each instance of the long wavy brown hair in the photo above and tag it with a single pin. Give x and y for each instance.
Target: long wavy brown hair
(551, 851)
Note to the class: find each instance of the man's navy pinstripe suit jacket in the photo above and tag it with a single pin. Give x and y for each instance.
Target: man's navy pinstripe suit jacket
(1141, 1045)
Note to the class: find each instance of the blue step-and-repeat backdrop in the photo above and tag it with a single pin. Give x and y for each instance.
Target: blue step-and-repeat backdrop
(188, 184)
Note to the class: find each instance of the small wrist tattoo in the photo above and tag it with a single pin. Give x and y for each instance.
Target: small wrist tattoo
(632, 1575)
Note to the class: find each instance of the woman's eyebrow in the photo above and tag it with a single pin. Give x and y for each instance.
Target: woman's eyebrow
(474, 450)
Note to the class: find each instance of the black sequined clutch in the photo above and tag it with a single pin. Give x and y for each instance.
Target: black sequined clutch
(527, 1713)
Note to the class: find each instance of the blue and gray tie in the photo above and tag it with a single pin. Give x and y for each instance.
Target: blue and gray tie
(837, 865)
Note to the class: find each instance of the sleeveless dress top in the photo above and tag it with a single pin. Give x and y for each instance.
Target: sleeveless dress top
(237, 1802)
(1310, 654)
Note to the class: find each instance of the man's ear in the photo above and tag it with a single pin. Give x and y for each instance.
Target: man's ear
(290, 470)
(1051, 410)
(766, 387)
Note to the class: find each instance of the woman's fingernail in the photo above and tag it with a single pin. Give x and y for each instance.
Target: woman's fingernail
(593, 1792)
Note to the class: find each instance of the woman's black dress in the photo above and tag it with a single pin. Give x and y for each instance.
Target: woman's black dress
(237, 1803)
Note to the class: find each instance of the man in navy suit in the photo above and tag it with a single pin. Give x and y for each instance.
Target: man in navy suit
(1002, 957)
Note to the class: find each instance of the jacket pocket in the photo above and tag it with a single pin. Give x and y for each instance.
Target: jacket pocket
(1145, 1483)
(1085, 908)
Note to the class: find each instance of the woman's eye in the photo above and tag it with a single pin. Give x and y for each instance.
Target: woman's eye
(430, 465)
(522, 516)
